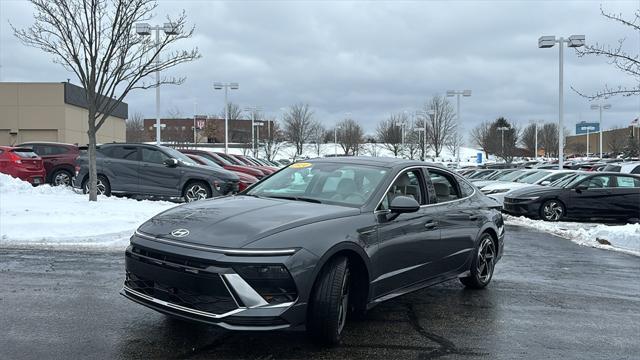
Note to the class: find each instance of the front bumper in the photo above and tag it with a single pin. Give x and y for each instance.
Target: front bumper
(205, 291)
(520, 207)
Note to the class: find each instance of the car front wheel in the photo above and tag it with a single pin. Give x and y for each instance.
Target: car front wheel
(482, 265)
(330, 302)
(103, 187)
(61, 178)
(552, 210)
(196, 191)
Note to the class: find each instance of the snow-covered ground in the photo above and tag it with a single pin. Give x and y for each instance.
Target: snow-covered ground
(57, 216)
(624, 238)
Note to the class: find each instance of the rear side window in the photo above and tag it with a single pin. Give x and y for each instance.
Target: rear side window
(25, 153)
(121, 152)
(444, 186)
(636, 170)
(628, 182)
(614, 168)
(47, 150)
(466, 188)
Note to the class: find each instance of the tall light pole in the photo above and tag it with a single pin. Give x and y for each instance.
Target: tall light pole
(548, 42)
(335, 140)
(257, 135)
(226, 87)
(502, 129)
(145, 29)
(600, 107)
(254, 111)
(457, 93)
(587, 128)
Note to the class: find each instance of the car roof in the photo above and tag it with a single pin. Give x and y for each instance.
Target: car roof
(47, 143)
(388, 162)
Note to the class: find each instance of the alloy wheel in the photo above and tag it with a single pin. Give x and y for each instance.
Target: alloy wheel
(62, 179)
(552, 211)
(344, 301)
(486, 259)
(100, 187)
(196, 192)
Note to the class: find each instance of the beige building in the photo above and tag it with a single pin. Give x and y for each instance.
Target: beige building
(52, 112)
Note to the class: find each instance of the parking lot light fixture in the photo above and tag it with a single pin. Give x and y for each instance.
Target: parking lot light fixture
(600, 107)
(226, 87)
(457, 93)
(545, 42)
(144, 29)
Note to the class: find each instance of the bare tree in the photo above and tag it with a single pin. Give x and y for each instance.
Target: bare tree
(236, 134)
(273, 140)
(454, 142)
(412, 147)
(441, 124)
(626, 61)
(389, 134)
(135, 131)
(317, 138)
(632, 147)
(480, 136)
(548, 139)
(298, 126)
(350, 136)
(210, 129)
(528, 139)
(174, 113)
(95, 40)
(178, 134)
(616, 142)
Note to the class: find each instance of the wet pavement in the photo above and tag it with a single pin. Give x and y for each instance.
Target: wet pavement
(549, 298)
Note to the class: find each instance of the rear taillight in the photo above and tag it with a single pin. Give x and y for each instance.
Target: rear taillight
(15, 158)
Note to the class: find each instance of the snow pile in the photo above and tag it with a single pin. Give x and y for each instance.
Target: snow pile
(624, 238)
(58, 216)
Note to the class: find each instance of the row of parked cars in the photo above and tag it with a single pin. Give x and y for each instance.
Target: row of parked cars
(555, 195)
(136, 169)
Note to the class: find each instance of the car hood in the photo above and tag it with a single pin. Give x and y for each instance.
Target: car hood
(504, 185)
(534, 191)
(237, 221)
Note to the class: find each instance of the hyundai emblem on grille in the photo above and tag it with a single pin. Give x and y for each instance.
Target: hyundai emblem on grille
(180, 232)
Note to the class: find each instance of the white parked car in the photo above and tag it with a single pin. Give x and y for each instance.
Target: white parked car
(506, 178)
(538, 177)
(631, 167)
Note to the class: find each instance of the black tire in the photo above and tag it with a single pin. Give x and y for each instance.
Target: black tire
(196, 190)
(61, 177)
(552, 210)
(329, 302)
(483, 263)
(104, 188)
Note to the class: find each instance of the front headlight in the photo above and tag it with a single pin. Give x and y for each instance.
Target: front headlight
(529, 198)
(272, 282)
(494, 191)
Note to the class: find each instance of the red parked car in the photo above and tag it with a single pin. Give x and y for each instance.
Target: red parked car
(251, 161)
(246, 180)
(237, 160)
(22, 163)
(59, 160)
(227, 165)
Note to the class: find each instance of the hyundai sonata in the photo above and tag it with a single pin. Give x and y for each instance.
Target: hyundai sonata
(313, 244)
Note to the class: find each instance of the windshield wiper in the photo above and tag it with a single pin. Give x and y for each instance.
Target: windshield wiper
(297, 198)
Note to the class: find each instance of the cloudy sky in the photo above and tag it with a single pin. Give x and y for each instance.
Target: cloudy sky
(374, 58)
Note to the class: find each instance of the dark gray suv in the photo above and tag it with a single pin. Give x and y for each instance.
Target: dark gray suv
(151, 170)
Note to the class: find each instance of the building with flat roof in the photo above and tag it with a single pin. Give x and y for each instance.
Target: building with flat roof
(208, 130)
(52, 112)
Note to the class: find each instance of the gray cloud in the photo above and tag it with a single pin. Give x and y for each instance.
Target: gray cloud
(373, 58)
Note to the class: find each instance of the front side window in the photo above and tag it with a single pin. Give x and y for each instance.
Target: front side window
(333, 183)
(406, 184)
(153, 156)
(598, 182)
(444, 186)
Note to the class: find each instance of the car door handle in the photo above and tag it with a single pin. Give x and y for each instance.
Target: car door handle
(431, 224)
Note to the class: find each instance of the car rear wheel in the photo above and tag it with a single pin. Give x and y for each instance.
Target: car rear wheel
(61, 178)
(196, 191)
(330, 302)
(552, 210)
(103, 187)
(482, 265)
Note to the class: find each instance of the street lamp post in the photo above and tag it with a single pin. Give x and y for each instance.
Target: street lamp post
(451, 93)
(502, 129)
(254, 110)
(145, 29)
(195, 111)
(588, 128)
(257, 136)
(600, 107)
(335, 140)
(548, 42)
(226, 87)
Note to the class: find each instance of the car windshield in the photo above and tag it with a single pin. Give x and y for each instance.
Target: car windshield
(481, 174)
(512, 175)
(178, 155)
(568, 181)
(533, 178)
(321, 182)
(208, 162)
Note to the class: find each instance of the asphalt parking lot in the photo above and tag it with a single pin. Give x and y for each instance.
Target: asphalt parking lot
(549, 298)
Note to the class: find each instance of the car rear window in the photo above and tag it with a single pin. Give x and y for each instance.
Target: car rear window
(614, 168)
(25, 153)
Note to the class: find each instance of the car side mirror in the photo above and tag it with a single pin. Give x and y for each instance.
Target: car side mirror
(171, 162)
(404, 204)
(581, 188)
(545, 183)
